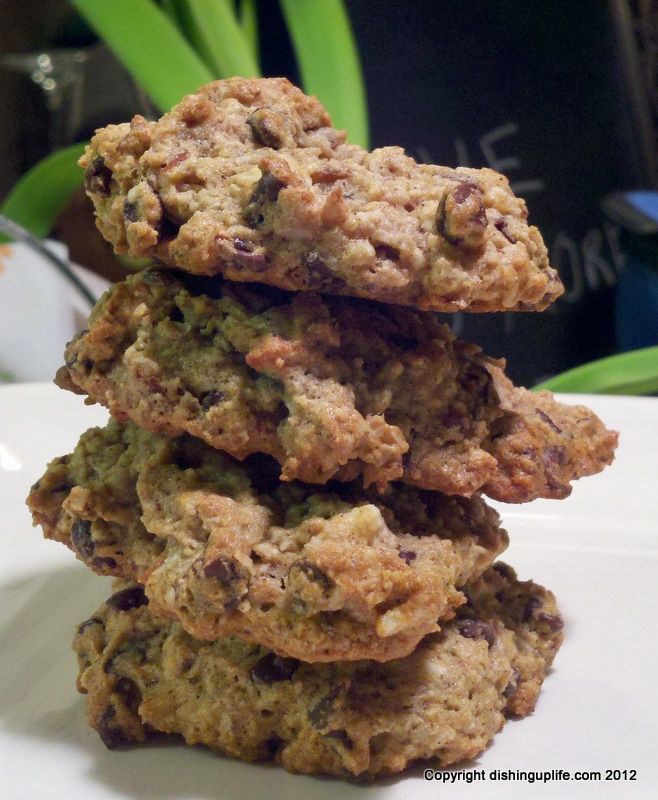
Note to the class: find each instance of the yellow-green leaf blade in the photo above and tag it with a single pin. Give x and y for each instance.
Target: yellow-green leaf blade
(626, 373)
(149, 45)
(220, 39)
(329, 61)
(249, 24)
(39, 197)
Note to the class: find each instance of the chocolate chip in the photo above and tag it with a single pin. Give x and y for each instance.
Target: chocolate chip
(313, 573)
(234, 602)
(131, 651)
(266, 192)
(244, 256)
(112, 735)
(501, 225)
(254, 262)
(267, 127)
(475, 379)
(212, 398)
(66, 486)
(89, 623)
(319, 276)
(554, 622)
(129, 693)
(241, 246)
(81, 538)
(548, 420)
(463, 192)
(103, 563)
(224, 569)
(477, 629)
(130, 212)
(505, 571)
(272, 745)
(460, 216)
(513, 685)
(532, 604)
(319, 714)
(272, 669)
(555, 455)
(407, 555)
(127, 599)
(341, 737)
(98, 177)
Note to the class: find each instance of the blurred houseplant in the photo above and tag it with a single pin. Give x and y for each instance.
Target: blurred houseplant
(175, 46)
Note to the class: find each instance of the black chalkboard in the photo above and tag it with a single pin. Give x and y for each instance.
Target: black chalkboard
(534, 90)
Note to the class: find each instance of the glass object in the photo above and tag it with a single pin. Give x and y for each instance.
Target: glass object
(60, 75)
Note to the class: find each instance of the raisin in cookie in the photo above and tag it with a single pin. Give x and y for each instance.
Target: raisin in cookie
(248, 179)
(445, 701)
(321, 575)
(330, 387)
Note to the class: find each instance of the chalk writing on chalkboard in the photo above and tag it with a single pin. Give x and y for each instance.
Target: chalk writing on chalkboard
(587, 262)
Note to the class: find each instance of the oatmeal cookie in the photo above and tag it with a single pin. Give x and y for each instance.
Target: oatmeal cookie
(247, 178)
(331, 387)
(337, 573)
(445, 701)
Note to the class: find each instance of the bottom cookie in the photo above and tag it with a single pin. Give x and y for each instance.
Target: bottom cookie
(446, 700)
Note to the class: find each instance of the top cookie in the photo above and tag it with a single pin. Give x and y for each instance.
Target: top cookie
(248, 179)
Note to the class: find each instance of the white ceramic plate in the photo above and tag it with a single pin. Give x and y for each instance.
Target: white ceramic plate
(30, 352)
(598, 711)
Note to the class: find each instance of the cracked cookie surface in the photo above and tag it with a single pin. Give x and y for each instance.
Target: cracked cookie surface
(248, 179)
(445, 701)
(330, 387)
(317, 574)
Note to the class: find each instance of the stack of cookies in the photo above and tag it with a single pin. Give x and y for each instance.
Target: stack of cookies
(290, 490)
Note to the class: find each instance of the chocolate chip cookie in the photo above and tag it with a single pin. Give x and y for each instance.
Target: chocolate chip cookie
(445, 701)
(247, 178)
(337, 573)
(330, 387)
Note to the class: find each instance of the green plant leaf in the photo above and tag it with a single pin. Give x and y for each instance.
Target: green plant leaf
(626, 373)
(220, 39)
(172, 10)
(149, 45)
(39, 197)
(249, 24)
(329, 61)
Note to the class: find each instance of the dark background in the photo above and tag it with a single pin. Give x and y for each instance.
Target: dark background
(540, 91)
